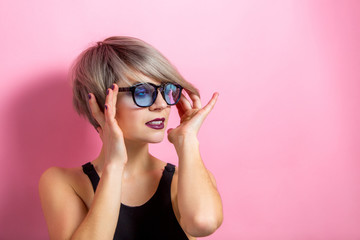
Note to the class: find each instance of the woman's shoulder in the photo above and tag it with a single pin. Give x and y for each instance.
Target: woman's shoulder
(60, 182)
(63, 202)
(60, 175)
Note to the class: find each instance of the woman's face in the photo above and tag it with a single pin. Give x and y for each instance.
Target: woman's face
(142, 124)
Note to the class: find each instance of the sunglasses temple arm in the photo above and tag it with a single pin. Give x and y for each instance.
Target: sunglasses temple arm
(127, 89)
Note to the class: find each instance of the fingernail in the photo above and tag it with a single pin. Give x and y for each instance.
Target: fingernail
(89, 95)
(112, 87)
(107, 92)
(105, 106)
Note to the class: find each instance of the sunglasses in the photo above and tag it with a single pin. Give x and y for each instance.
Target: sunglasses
(145, 94)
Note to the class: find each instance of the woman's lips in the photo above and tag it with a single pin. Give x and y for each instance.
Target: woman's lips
(157, 123)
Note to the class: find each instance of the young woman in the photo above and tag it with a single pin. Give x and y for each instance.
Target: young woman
(125, 88)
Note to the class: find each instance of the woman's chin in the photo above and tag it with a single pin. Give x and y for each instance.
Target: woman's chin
(155, 138)
(158, 139)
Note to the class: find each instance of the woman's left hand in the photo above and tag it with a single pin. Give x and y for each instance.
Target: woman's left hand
(191, 117)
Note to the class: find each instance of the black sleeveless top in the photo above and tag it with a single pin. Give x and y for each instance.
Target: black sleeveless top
(153, 220)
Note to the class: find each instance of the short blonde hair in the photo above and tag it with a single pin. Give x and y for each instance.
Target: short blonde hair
(114, 60)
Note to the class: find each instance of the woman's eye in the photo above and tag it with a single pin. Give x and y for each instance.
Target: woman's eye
(141, 93)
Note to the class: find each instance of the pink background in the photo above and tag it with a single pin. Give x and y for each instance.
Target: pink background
(282, 141)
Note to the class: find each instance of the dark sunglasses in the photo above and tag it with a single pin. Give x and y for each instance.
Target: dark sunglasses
(145, 94)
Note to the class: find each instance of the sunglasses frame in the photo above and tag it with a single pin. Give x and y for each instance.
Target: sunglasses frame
(161, 87)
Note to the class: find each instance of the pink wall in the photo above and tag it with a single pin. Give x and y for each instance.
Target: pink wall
(282, 141)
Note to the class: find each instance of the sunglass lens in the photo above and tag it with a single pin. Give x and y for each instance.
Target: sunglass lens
(144, 95)
(172, 93)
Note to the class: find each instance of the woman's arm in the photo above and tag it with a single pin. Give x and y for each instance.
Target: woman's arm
(65, 212)
(199, 202)
(67, 216)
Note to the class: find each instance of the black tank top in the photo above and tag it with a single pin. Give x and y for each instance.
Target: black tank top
(153, 220)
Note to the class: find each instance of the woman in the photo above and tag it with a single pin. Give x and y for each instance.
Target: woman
(125, 88)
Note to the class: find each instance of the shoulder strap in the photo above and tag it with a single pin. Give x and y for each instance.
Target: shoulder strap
(170, 168)
(164, 188)
(89, 170)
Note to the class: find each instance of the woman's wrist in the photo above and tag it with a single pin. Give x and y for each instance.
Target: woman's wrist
(114, 167)
(186, 142)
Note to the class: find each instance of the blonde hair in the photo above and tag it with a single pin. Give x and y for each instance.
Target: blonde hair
(118, 59)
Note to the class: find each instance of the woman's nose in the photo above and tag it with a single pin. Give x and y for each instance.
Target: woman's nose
(159, 103)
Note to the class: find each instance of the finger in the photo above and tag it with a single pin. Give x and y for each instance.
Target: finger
(169, 130)
(95, 110)
(185, 103)
(195, 99)
(204, 112)
(180, 109)
(210, 105)
(110, 109)
(115, 89)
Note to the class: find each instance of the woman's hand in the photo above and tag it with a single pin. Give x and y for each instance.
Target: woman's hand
(191, 117)
(109, 130)
(198, 201)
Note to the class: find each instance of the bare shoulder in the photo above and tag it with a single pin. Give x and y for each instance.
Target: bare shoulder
(52, 180)
(53, 175)
(57, 173)
(63, 194)
(64, 181)
(62, 178)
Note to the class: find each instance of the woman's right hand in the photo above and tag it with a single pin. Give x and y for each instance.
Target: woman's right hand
(109, 130)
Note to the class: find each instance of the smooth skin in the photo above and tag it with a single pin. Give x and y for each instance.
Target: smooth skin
(130, 175)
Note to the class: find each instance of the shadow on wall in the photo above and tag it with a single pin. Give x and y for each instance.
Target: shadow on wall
(43, 130)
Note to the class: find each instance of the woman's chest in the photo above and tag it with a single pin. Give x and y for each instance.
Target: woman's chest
(135, 191)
